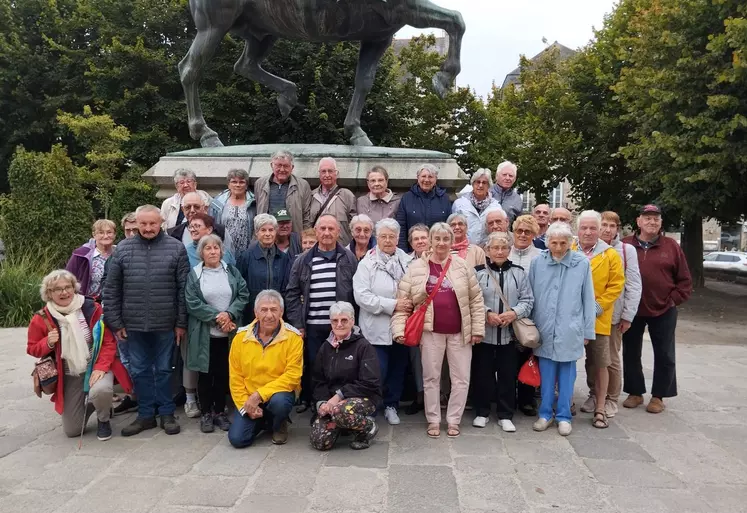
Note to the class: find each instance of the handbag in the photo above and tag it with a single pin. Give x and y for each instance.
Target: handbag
(415, 323)
(529, 373)
(525, 330)
(45, 370)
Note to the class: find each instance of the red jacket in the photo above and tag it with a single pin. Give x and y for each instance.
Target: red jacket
(664, 273)
(107, 360)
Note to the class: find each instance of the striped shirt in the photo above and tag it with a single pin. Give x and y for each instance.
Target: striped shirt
(322, 290)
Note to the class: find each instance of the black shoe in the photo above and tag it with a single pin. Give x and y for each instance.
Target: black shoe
(104, 431)
(529, 410)
(206, 423)
(363, 440)
(303, 407)
(221, 422)
(170, 425)
(414, 407)
(126, 406)
(180, 398)
(138, 426)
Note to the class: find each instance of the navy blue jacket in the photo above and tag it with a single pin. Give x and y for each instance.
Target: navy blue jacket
(419, 207)
(255, 269)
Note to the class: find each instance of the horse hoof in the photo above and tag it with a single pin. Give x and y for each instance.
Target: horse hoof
(441, 83)
(210, 141)
(360, 140)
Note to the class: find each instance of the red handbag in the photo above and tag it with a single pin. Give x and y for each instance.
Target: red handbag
(530, 373)
(415, 323)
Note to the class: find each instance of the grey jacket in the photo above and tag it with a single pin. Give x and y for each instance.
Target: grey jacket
(626, 305)
(297, 201)
(299, 283)
(144, 289)
(378, 209)
(341, 206)
(510, 201)
(516, 289)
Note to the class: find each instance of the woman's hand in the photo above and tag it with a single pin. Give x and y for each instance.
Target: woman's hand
(222, 319)
(53, 337)
(506, 318)
(476, 339)
(404, 305)
(95, 376)
(493, 319)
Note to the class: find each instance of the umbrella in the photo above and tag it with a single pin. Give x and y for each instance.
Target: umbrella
(97, 334)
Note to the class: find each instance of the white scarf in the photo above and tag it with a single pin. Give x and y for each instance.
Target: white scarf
(75, 350)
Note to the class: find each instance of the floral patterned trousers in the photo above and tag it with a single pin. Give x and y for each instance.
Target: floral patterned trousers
(350, 415)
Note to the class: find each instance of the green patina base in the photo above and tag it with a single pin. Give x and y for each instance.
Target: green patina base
(313, 151)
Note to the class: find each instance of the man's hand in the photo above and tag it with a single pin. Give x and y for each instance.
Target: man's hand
(251, 406)
(95, 376)
(121, 334)
(623, 326)
(179, 334)
(493, 319)
(255, 413)
(53, 337)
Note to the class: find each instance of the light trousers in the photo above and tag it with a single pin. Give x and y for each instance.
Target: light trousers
(614, 368)
(433, 346)
(99, 400)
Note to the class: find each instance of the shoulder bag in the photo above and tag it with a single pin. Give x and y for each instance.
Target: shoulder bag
(45, 370)
(332, 197)
(525, 330)
(415, 323)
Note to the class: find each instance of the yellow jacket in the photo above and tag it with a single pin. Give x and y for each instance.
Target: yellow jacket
(267, 370)
(609, 281)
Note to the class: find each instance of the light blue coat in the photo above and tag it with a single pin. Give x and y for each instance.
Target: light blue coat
(564, 306)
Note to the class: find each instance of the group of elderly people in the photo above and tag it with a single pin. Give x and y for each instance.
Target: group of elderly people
(317, 316)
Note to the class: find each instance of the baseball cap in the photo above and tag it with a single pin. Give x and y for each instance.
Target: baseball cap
(282, 215)
(650, 209)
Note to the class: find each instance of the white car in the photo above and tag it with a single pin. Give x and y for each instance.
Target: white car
(725, 260)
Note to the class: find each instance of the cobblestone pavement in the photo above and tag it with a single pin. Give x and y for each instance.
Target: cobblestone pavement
(691, 458)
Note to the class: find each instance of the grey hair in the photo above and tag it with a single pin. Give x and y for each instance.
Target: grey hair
(559, 229)
(333, 217)
(342, 308)
(456, 215)
(589, 214)
(263, 219)
(378, 169)
(496, 237)
(503, 213)
(184, 173)
(128, 218)
(388, 223)
(144, 209)
(361, 218)
(269, 295)
(327, 158)
(440, 228)
(238, 173)
(282, 154)
(210, 238)
(483, 171)
(49, 280)
(430, 168)
(420, 227)
(503, 165)
(197, 194)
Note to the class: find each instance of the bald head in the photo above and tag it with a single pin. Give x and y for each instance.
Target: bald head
(561, 214)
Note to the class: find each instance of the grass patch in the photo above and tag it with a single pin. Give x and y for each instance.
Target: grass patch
(21, 274)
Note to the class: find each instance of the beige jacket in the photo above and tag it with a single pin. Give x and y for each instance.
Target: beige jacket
(342, 206)
(475, 255)
(378, 209)
(468, 293)
(173, 204)
(297, 201)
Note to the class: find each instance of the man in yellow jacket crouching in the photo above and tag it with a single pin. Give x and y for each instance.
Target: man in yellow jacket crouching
(265, 367)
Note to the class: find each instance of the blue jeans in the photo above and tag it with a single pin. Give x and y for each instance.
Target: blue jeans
(124, 355)
(150, 364)
(393, 362)
(564, 373)
(244, 429)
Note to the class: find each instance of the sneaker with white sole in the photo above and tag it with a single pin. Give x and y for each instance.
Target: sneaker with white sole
(507, 425)
(589, 405)
(542, 424)
(610, 408)
(564, 428)
(390, 414)
(480, 422)
(191, 410)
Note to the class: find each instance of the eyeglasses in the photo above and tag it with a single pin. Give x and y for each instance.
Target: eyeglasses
(195, 227)
(192, 207)
(60, 290)
(185, 182)
(560, 219)
(387, 237)
(130, 230)
(522, 231)
(342, 321)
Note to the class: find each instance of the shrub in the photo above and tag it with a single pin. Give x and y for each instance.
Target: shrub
(21, 274)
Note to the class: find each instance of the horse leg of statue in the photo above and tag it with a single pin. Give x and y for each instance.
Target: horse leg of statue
(368, 61)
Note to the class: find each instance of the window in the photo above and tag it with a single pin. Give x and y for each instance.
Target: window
(727, 258)
(710, 257)
(556, 196)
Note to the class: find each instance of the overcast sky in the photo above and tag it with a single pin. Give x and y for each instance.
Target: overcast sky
(499, 31)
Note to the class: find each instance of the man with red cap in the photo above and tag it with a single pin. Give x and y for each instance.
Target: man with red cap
(666, 285)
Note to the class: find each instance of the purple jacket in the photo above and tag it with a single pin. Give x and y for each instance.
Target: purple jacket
(80, 264)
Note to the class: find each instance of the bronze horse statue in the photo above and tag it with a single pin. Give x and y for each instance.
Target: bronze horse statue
(261, 22)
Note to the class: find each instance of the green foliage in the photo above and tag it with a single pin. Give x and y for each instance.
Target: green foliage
(131, 192)
(21, 275)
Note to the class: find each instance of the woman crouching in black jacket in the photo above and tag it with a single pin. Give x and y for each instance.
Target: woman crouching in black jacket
(347, 386)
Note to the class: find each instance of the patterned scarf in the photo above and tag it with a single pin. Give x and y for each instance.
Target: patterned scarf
(480, 205)
(391, 264)
(460, 248)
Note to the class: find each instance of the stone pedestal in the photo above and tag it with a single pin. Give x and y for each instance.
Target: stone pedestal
(211, 165)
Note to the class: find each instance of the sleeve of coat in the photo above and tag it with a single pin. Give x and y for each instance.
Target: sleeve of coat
(286, 274)
(293, 306)
(353, 206)
(319, 381)
(524, 307)
(402, 220)
(588, 304)
(399, 318)
(239, 394)
(236, 308)
(36, 341)
(368, 382)
(306, 198)
(615, 282)
(633, 284)
(480, 258)
(182, 271)
(289, 380)
(113, 292)
(476, 305)
(683, 285)
(365, 297)
(196, 307)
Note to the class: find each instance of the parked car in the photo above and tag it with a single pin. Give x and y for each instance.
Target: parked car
(725, 261)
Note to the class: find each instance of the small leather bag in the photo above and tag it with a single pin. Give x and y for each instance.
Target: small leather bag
(45, 370)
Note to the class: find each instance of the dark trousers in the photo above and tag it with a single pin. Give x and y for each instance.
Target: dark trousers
(393, 362)
(661, 329)
(315, 337)
(494, 375)
(244, 429)
(150, 361)
(525, 393)
(212, 386)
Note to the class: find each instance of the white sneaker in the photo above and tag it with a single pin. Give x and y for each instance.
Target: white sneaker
(507, 426)
(564, 428)
(390, 413)
(480, 422)
(191, 410)
(610, 408)
(589, 405)
(541, 424)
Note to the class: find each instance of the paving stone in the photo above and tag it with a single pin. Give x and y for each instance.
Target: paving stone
(289, 472)
(735, 448)
(349, 489)
(72, 473)
(557, 485)
(639, 420)
(689, 401)
(470, 445)
(724, 433)
(171, 508)
(30, 462)
(495, 465)
(376, 456)
(207, 491)
(655, 500)
(723, 499)
(175, 455)
(11, 443)
(412, 446)
(34, 502)
(255, 503)
(723, 417)
(226, 460)
(632, 473)
(142, 494)
(609, 449)
(482, 492)
(583, 428)
(548, 451)
(422, 489)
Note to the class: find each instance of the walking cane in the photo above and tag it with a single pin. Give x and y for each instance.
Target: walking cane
(98, 338)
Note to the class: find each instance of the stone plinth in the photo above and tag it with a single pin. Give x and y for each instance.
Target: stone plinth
(211, 165)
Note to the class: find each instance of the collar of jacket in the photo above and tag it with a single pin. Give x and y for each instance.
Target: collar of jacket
(386, 198)
(508, 264)
(571, 258)
(371, 244)
(154, 240)
(281, 336)
(309, 255)
(525, 251)
(292, 182)
(436, 191)
(222, 198)
(599, 248)
(258, 252)
(637, 242)
(87, 250)
(354, 336)
(500, 190)
(199, 267)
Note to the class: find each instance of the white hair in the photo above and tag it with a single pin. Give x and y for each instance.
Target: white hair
(589, 214)
(440, 228)
(388, 223)
(559, 229)
(361, 218)
(506, 164)
(210, 238)
(49, 280)
(184, 173)
(197, 195)
(282, 154)
(430, 168)
(502, 213)
(342, 308)
(262, 219)
(144, 209)
(497, 237)
(332, 160)
(269, 295)
(457, 215)
(482, 172)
